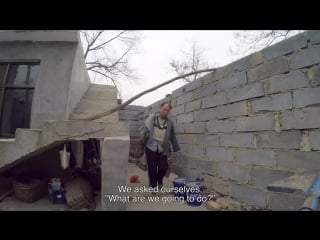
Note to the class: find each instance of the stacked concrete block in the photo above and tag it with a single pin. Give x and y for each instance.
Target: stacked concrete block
(286, 47)
(261, 177)
(270, 68)
(285, 82)
(232, 110)
(305, 58)
(219, 154)
(255, 157)
(233, 172)
(285, 139)
(300, 119)
(134, 115)
(236, 80)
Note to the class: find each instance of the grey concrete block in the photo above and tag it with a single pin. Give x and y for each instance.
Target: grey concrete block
(193, 106)
(305, 58)
(287, 139)
(186, 161)
(186, 97)
(193, 85)
(115, 152)
(298, 160)
(214, 100)
(177, 110)
(300, 119)
(193, 150)
(314, 37)
(178, 92)
(285, 202)
(134, 108)
(209, 140)
(257, 58)
(249, 61)
(220, 126)
(276, 66)
(199, 127)
(232, 110)
(249, 91)
(217, 184)
(204, 115)
(286, 46)
(205, 91)
(174, 119)
(228, 70)
(236, 80)
(306, 97)
(185, 118)
(186, 138)
(285, 82)
(249, 195)
(274, 102)
(124, 116)
(129, 112)
(207, 167)
(315, 139)
(218, 154)
(179, 128)
(255, 123)
(255, 157)
(237, 140)
(214, 76)
(233, 172)
(262, 177)
(314, 75)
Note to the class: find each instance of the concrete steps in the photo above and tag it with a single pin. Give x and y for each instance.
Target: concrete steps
(98, 98)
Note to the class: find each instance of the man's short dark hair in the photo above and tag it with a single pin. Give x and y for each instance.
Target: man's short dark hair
(164, 103)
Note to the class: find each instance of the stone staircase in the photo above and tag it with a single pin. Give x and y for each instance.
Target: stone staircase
(97, 99)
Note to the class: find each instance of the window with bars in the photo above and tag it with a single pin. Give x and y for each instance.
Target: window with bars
(17, 83)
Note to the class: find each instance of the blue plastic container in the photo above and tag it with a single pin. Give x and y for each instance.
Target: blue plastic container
(177, 184)
(194, 191)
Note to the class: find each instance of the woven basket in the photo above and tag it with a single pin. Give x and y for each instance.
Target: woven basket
(79, 194)
(29, 187)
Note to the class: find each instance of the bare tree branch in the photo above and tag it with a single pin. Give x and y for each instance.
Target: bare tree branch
(107, 54)
(91, 43)
(193, 60)
(251, 41)
(108, 41)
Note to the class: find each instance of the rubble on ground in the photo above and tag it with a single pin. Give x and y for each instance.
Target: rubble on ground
(220, 202)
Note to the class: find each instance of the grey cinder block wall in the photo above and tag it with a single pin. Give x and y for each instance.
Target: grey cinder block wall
(252, 122)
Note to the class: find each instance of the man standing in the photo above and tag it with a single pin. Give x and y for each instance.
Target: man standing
(157, 134)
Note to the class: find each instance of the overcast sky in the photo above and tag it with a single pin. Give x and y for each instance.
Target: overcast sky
(157, 48)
